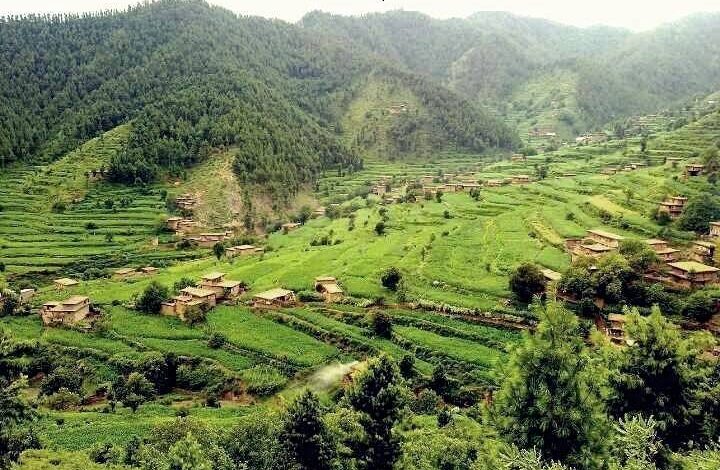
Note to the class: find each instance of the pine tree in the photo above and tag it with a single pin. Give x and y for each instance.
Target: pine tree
(550, 399)
(380, 396)
(304, 435)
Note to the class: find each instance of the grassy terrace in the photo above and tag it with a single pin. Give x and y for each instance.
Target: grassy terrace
(461, 258)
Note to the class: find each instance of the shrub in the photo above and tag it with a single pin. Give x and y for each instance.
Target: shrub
(380, 228)
(217, 340)
(152, 298)
(91, 226)
(427, 402)
(382, 324)
(700, 306)
(527, 281)
(63, 399)
(309, 296)
(391, 278)
(58, 207)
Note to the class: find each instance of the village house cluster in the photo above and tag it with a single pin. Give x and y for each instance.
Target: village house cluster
(212, 288)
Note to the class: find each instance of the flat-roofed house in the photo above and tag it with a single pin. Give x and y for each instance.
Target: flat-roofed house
(663, 250)
(149, 270)
(205, 295)
(494, 183)
(186, 225)
(518, 157)
(692, 274)
(179, 305)
(186, 201)
(521, 179)
(223, 288)
(673, 205)
(616, 328)
(172, 223)
(289, 227)
(703, 252)
(715, 229)
(124, 273)
(67, 312)
(209, 239)
(605, 238)
(26, 295)
(277, 297)
(319, 212)
(591, 250)
(329, 288)
(241, 250)
(694, 169)
(427, 179)
(65, 283)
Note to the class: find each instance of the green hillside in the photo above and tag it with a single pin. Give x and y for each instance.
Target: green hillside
(492, 56)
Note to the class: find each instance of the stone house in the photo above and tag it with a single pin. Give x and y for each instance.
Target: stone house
(277, 297)
(65, 283)
(602, 237)
(67, 312)
(691, 274)
(289, 227)
(329, 288)
(224, 289)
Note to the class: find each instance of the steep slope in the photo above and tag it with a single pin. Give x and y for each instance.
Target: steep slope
(206, 79)
(496, 57)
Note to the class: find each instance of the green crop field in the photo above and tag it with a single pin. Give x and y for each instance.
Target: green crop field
(457, 252)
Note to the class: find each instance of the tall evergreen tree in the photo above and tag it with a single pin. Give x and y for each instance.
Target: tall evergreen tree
(549, 399)
(380, 396)
(304, 435)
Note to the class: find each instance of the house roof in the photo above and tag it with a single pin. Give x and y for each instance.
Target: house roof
(693, 266)
(550, 274)
(198, 292)
(667, 251)
(148, 269)
(75, 299)
(214, 276)
(616, 317)
(291, 224)
(125, 270)
(597, 247)
(332, 288)
(655, 241)
(244, 247)
(273, 294)
(66, 281)
(325, 279)
(704, 244)
(717, 224)
(230, 284)
(604, 234)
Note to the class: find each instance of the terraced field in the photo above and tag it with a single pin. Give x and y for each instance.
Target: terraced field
(54, 218)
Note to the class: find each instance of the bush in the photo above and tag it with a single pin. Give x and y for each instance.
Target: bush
(152, 298)
(63, 399)
(182, 283)
(217, 340)
(526, 282)
(701, 306)
(309, 296)
(382, 324)
(391, 278)
(58, 207)
(427, 402)
(380, 228)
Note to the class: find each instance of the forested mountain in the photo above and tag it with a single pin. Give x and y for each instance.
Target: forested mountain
(494, 58)
(193, 77)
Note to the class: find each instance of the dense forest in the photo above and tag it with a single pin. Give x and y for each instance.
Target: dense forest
(492, 55)
(193, 77)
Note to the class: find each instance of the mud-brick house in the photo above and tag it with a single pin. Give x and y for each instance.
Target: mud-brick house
(172, 223)
(703, 252)
(241, 250)
(615, 328)
(274, 298)
(590, 250)
(691, 274)
(289, 227)
(224, 289)
(67, 312)
(186, 201)
(694, 169)
(189, 298)
(124, 273)
(602, 237)
(149, 270)
(65, 283)
(520, 179)
(663, 250)
(494, 183)
(715, 229)
(328, 287)
(208, 239)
